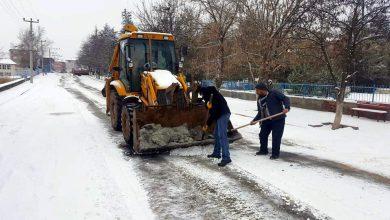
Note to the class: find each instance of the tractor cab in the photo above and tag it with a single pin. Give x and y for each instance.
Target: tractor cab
(141, 52)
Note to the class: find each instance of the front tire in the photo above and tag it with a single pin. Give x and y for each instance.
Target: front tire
(127, 126)
(116, 110)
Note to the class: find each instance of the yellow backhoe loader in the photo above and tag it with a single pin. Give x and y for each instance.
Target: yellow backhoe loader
(147, 86)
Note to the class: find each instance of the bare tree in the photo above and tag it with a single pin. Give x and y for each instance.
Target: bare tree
(265, 29)
(38, 36)
(2, 53)
(341, 30)
(317, 34)
(95, 53)
(221, 15)
(179, 18)
(39, 42)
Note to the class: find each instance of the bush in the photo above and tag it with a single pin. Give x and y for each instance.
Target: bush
(5, 80)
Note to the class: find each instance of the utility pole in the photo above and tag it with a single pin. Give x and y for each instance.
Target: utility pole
(42, 55)
(31, 21)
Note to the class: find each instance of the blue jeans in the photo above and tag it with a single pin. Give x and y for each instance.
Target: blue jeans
(221, 139)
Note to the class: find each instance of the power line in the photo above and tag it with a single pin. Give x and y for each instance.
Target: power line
(8, 10)
(12, 7)
(22, 8)
(32, 8)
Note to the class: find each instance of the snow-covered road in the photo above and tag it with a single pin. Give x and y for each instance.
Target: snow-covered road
(59, 159)
(56, 164)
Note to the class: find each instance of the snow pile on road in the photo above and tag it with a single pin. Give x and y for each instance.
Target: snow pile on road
(155, 136)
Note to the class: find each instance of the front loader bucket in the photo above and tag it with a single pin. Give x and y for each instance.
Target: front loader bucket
(193, 116)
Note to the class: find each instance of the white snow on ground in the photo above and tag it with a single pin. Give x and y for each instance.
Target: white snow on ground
(366, 148)
(339, 196)
(10, 83)
(57, 161)
(48, 128)
(336, 195)
(378, 97)
(333, 193)
(93, 82)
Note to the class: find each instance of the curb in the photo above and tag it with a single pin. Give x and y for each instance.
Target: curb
(11, 84)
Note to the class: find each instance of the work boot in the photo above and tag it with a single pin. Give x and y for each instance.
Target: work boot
(213, 156)
(273, 157)
(261, 153)
(224, 162)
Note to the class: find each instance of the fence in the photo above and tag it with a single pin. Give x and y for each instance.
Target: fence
(353, 93)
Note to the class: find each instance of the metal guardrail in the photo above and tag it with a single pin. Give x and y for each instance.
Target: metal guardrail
(373, 93)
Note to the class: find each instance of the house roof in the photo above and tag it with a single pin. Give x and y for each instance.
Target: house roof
(7, 61)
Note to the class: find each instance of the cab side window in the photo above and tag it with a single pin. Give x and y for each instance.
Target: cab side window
(123, 64)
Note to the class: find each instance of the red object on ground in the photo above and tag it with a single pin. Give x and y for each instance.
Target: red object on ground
(377, 111)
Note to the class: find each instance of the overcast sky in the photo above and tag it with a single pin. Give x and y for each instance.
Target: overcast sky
(67, 22)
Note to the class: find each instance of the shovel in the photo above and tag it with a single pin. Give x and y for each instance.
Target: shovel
(258, 121)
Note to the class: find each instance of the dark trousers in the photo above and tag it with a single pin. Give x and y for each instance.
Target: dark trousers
(277, 128)
(221, 139)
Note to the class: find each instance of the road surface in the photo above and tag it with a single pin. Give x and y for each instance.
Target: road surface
(60, 159)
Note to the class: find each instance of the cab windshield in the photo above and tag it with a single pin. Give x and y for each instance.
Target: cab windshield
(161, 55)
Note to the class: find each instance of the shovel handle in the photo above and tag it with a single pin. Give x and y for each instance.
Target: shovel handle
(258, 121)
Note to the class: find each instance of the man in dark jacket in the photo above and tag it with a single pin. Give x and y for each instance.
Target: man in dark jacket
(271, 102)
(219, 113)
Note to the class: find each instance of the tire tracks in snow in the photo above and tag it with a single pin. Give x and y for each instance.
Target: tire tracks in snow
(312, 161)
(176, 192)
(337, 167)
(252, 195)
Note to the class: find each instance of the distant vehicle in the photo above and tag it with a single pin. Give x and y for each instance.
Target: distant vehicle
(80, 72)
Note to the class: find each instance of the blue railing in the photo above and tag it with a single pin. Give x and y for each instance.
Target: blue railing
(353, 93)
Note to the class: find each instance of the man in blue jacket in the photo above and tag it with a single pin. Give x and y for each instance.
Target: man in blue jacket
(219, 113)
(271, 102)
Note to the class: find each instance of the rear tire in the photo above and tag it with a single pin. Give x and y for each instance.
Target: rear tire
(127, 126)
(116, 110)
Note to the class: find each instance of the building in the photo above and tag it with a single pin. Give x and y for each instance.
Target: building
(48, 64)
(22, 58)
(59, 67)
(7, 67)
(70, 65)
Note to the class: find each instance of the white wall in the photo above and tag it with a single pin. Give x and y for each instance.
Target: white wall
(7, 69)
